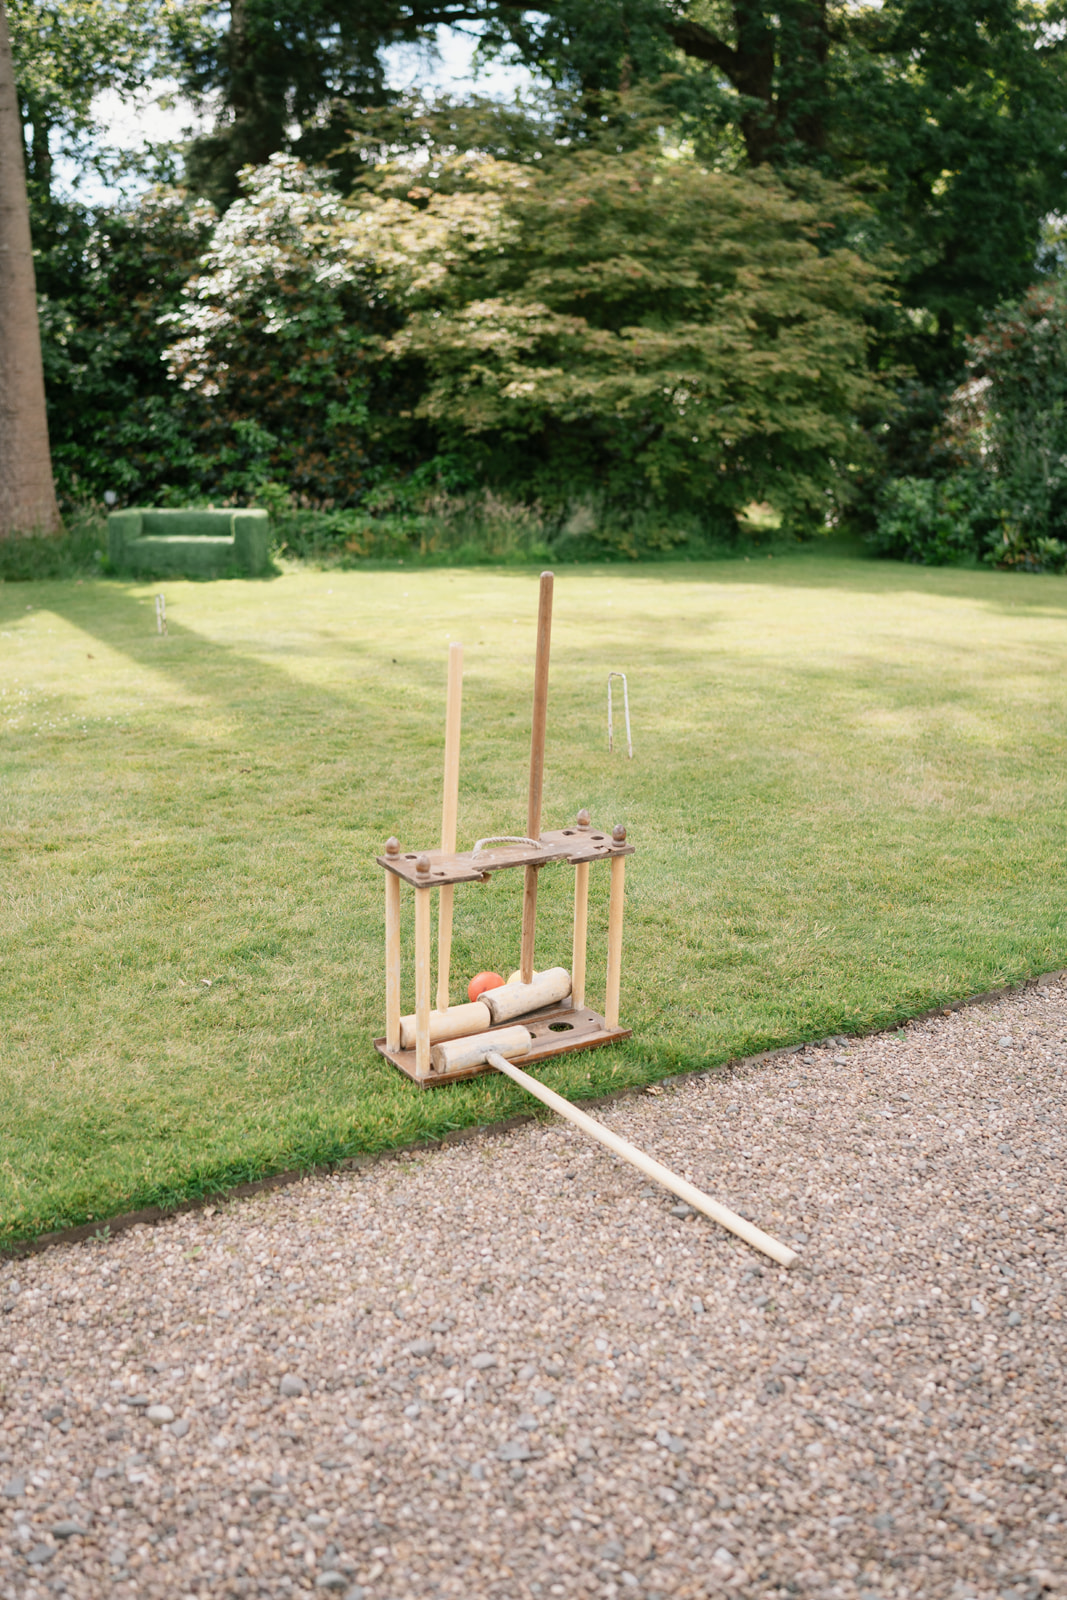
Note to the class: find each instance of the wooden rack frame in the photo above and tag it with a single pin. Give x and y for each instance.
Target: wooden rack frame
(556, 1029)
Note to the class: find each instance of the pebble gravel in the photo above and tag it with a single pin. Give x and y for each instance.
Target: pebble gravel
(511, 1368)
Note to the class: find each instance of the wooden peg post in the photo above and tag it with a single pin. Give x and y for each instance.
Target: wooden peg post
(392, 952)
(449, 811)
(537, 772)
(581, 923)
(422, 973)
(615, 909)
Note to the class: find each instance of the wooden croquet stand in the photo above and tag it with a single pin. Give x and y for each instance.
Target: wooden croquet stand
(568, 1025)
(534, 1015)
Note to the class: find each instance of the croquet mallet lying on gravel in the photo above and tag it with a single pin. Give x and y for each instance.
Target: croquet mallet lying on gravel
(495, 1047)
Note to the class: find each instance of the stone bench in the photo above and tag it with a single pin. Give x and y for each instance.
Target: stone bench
(201, 544)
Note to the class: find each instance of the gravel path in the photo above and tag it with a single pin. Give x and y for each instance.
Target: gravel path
(509, 1369)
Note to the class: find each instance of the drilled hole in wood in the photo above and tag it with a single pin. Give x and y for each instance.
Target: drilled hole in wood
(560, 1027)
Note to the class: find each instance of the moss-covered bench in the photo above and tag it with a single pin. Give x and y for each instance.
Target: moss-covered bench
(201, 543)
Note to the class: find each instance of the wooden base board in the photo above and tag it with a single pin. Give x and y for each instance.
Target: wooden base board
(556, 1030)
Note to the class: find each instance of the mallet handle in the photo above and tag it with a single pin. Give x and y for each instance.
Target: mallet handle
(581, 933)
(449, 814)
(652, 1169)
(392, 961)
(422, 982)
(540, 706)
(537, 770)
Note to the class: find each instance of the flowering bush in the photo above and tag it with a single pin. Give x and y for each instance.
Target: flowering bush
(278, 342)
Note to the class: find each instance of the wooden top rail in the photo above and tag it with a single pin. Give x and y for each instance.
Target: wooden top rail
(425, 869)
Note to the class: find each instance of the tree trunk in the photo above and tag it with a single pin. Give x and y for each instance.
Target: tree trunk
(27, 493)
(778, 64)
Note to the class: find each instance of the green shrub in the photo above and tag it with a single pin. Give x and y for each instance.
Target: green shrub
(1011, 415)
(80, 550)
(116, 421)
(937, 522)
(1006, 505)
(476, 526)
(643, 331)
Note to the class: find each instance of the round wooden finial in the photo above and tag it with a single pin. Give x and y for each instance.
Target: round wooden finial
(392, 847)
(618, 833)
(422, 864)
(584, 820)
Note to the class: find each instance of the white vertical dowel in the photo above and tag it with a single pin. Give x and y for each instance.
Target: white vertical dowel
(615, 908)
(392, 961)
(449, 815)
(581, 933)
(537, 772)
(422, 982)
(652, 1169)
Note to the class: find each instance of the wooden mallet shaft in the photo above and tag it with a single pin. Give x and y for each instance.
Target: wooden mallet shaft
(652, 1169)
(449, 815)
(392, 961)
(422, 982)
(537, 771)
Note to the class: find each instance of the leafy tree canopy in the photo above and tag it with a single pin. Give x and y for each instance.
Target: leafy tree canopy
(950, 114)
(68, 51)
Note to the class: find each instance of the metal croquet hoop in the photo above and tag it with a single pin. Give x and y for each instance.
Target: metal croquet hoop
(626, 709)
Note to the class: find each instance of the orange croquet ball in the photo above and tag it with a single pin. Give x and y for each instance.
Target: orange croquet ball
(483, 981)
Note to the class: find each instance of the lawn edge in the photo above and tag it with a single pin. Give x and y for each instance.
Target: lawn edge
(106, 1228)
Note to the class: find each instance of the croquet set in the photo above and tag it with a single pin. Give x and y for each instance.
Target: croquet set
(434, 1046)
(534, 1015)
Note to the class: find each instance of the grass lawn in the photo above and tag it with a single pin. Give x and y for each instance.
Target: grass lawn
(847, 799)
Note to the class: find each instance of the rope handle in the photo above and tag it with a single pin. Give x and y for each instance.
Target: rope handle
(505, 838)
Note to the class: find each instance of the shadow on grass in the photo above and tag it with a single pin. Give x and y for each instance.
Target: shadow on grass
(224, 675)
(847, 569)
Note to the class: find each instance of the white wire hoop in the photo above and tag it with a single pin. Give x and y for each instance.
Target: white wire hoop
(626, 709)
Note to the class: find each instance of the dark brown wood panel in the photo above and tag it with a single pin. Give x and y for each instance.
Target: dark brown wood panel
(570, 845)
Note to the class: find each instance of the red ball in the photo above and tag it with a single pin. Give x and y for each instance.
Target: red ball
(483, 981)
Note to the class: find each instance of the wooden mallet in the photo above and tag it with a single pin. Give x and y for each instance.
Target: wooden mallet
(488, 1048)
(449, 811)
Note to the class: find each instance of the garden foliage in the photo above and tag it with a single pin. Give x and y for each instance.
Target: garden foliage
(730, 254)
(647, 332)
(1005, 502)
(621, 338)
(106, 284)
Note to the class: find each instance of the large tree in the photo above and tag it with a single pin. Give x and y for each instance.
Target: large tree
(68, 51)
(287, 78)
(951, 114)
(27, 493)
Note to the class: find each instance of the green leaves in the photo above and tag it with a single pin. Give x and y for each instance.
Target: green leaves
(671, 333)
